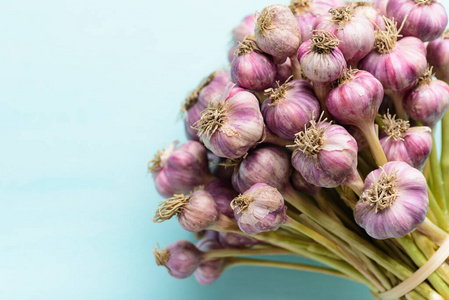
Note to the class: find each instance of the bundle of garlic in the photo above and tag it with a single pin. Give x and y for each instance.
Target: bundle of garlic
(319, 142)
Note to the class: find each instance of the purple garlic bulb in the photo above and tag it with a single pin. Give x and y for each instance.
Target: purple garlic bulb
(367, 10)
(196, 212)
(356, 99)
(326, 154)
(223, 193)
(290, 107)
(283, 72)
(206, 236)
(246, 27)
(277, 32)
(266, 164)
(306, 11)
(261, 208)
(438, 56)
(231, 52)
(424, 19)
(181, 258)
(300, 184)
(198, 100)
(428, 101)
(355, 33)
(320, 58)
(396, 64)
(209, 271)
(235, 240)
(394, 201)
(381, 6)
(401, 142)
(233, 124)
(177, 171)
(251, 68)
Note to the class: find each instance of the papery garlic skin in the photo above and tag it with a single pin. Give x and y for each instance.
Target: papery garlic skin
(233, 124)
(355, 33)
(178, 171)
(425, 21)
(266, 164)
(289, 108)
(305, 24)
(322, 67)
(332, 162)
(427, 102)
(300, 184)
(199, 213)
(307, 11)
(398, 69)
(412, 147)
(235, 240)
(223, 193)
(438, 56)
(261, 208)
(231, 52)
(381, 6)
(245, 28)
(181, 258)
(277, 32)
(408, 208)
(367, 10)
(209, 271)
(198, 100)
(283, 72)
(356, 100)
(251, 68)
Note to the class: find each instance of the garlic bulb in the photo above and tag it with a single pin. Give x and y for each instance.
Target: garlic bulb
(261, 208)
(326, 154)
(233, 124)
(394, 201)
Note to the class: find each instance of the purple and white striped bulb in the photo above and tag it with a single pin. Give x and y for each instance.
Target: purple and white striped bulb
(394, 201)
(261, 208)
(178, 171)
(325, 154)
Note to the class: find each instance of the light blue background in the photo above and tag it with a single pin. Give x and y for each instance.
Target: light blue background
(89, 91)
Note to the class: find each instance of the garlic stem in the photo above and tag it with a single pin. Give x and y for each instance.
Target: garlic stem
(314, 235)
(397, 97)
(321, 90)
(297, 247)
(349, 255)
(427, 248)
(370, 132)
(363, 166)
(436, 211)
(437, 177)
(220, 253)
(435, 233)
(426, 170)
(335, 249)
(291, 245)
(389, 263)
(325, 206)
(416, 255)
(296, 67)
(284, 265)
(445, 153)
(355, 183)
